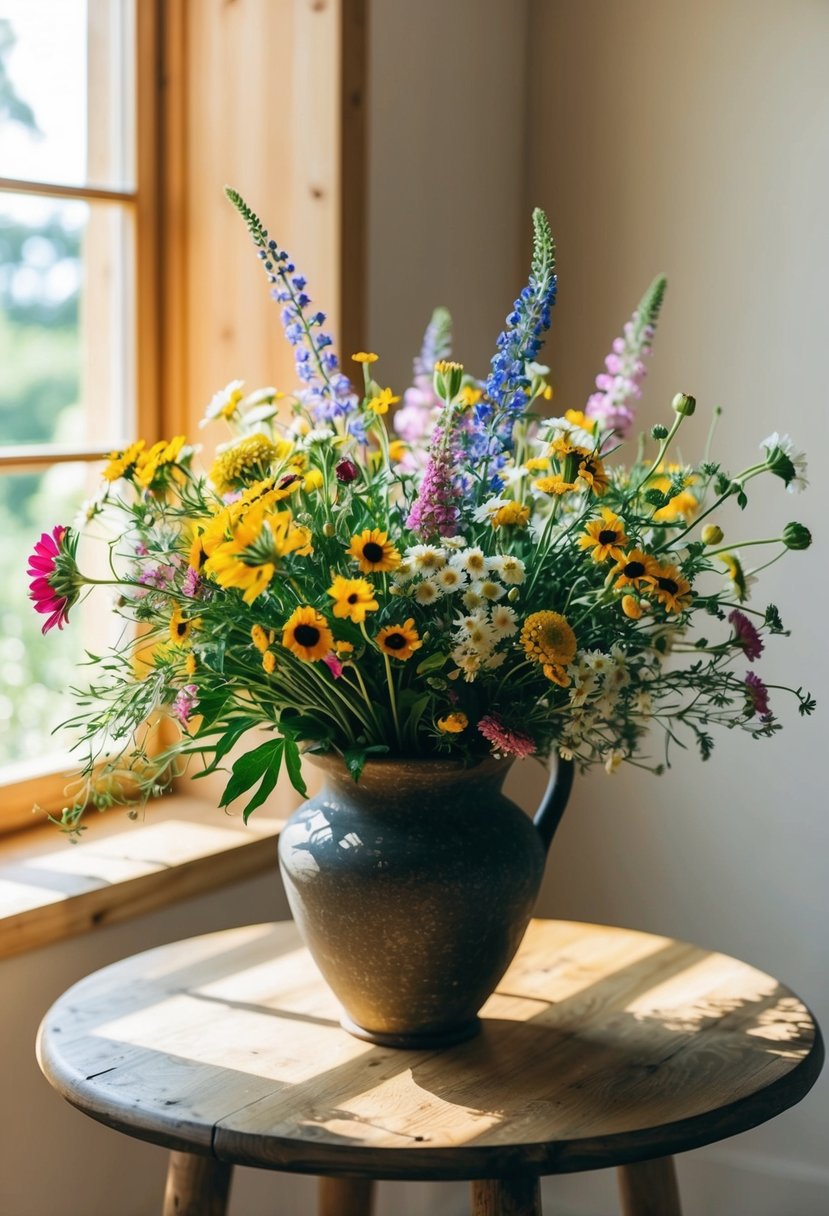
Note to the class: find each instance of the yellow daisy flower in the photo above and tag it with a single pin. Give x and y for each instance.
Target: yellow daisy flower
(122, 464)
(373, 552)
(306, 634)
(363, 356)
(605, 537)
(181, 626)
(246, 459)
(453, 723)
(512, 514)
(399, 641)
(467, 397)
(353, 598)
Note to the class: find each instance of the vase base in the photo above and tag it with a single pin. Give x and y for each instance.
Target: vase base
(414, 1042)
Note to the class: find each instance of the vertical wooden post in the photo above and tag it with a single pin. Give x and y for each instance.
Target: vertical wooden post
(648, 1188)
(516, 1196)
(196, 1186)
(345, 1197)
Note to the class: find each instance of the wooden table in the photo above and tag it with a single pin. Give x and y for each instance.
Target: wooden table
(601, 1047)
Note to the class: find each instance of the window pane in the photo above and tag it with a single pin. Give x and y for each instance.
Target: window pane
(65, 332)
(35, 671)
(66, 69)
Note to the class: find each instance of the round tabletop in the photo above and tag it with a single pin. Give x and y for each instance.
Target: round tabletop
(601, 1046)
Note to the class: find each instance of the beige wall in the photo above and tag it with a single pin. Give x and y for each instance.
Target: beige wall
(694, 139)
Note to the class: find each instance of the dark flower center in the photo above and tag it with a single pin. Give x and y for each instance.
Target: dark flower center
(306, 635)
(181, 628)
(395, 641)
(373, 552)
(668, 584)
(606, 537)
(633, 570)
(352, 599)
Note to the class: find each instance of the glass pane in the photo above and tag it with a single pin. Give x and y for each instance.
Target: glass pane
(35, 671)
(65, 329)
(66, 91)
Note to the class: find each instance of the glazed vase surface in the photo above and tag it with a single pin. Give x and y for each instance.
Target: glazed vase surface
(412, 889)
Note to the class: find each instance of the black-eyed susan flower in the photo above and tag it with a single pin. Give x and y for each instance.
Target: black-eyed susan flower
(668, 586)
(181, 626)
(353, 598)
(306, 634)
(399, 641)
(373, 552)
(633, 568)
(548, 638)
(604, 537)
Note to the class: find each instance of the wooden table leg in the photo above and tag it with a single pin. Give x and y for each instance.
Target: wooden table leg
(345, 1197)
(516, 1196)
(196, 1186)
(648, 1188)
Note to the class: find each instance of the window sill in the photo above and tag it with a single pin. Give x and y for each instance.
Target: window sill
(51, 889)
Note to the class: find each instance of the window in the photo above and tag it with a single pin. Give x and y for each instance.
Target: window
(78, 348)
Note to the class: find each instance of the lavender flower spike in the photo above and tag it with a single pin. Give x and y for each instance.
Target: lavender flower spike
(622, 381)
(327, 392)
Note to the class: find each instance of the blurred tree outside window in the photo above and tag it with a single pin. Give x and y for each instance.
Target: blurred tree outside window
(66, 323)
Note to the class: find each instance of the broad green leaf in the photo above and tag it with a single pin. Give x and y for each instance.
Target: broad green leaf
(434, 662)
(294, 765)
(250, 767)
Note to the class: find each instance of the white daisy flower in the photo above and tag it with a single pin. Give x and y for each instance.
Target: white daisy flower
(612, 760)
(225, 403)
(494, 660)
(472, 599)
(490, 590)
(454, 542)
(643, 704)
(473, 561)
(426, 592)
(404, 573)
(511, 570)
(318, 434)
(426, 557)
(504, 620)
(786, 462)
(485, 512)
(450, 579)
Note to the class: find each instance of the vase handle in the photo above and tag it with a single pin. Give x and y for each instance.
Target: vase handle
(548, 816)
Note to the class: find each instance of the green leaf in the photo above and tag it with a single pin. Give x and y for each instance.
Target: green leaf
(294, 766)
(304, 726)
(225, 744)
(355, 757)
(249, 768)
(434, 662)
(266, 787)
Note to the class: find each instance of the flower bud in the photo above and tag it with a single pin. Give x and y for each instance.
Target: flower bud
(448, 379)
(347, 471)
(328, 529)
(631, 607)
(513, 595)
(659, 431)
(796, 536)
(684, 405)
(712, 534)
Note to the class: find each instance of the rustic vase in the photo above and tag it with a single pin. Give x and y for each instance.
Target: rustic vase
(413, 888)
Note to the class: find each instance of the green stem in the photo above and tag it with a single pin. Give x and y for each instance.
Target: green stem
(393, 700)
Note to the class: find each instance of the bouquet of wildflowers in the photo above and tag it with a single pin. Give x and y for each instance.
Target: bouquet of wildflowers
(477, 578)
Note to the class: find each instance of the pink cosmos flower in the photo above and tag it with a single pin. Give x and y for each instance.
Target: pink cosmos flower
(54, 587)
(508, 742)
(334, 665)
(747, 636)
(758, 695)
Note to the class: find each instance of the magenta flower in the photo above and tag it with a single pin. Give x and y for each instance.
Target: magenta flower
(347, 471)
(621, 382)
(508, 742)
(746, 635)
(757, 695)
(55, 581)
(334, 665)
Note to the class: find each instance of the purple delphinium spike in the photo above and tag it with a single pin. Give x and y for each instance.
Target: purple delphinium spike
(327, 392)
(507, 385)
(621, 383)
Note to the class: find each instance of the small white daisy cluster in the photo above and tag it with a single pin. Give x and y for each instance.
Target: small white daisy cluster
(243, 413)
(429, 573)
(609, 701)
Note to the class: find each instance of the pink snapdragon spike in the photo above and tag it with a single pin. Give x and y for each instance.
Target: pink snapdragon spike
(415, 421)
(53, 589)
(621, 383)
(185, 702)
(507, 742)
(435, 510)
(746, 634)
